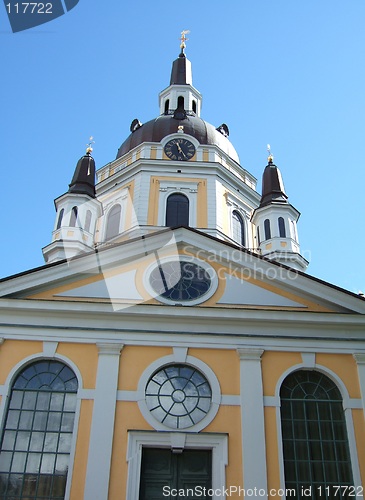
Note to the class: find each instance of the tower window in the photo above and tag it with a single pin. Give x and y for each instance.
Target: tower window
(113, 222)
(37, 435)
(180, 102)
(177, 210)
(60, 217)
(315, 443)
(194, 106)
(267, 229)
(238, 228)
(167, 106)
(88, 221)
(282, 232)
(258, 236)
(73, 217)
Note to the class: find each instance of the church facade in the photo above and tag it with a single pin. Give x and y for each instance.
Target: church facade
(173, 346)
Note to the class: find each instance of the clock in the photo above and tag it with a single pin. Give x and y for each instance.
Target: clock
(179, 149)
(180, 281)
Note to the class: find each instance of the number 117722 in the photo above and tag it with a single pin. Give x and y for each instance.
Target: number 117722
(29, 8)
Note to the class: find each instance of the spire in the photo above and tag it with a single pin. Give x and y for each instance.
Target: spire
(181, 73)
(83, 181)
(272, 184)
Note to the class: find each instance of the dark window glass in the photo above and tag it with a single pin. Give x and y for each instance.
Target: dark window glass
(258, 236)
(315, 444)
(238, 228)
(73, 217)
(267, 229)
(113, 223)
(194, 106)
(177, 210)
(37, 435)
(60, 217)
(88, 220)
(180, 102)
(167, 104)
(282, 232)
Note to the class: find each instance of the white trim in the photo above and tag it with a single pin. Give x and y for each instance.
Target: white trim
(102, 424)
(348, 405)
(194, 362)
(218, 443)
(6, 393)
(252, 420)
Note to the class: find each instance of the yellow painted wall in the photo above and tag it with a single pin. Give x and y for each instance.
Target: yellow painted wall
(13, 352)
(82, 449)
(345, 367)
(85, 357)
(272, 451)
(225, 365)
(274, 364)
(134, 360)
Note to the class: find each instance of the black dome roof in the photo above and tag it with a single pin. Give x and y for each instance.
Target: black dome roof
(155, 130)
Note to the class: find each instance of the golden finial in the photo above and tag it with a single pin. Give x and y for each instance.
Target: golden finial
(270, 158)
(89, 148)
(184, 39)
(180, 129)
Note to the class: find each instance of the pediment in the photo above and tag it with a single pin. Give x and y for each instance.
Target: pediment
(119, 274)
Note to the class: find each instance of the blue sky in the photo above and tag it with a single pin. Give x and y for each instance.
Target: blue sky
(283, 72)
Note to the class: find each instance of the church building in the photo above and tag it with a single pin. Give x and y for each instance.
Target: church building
(173, 345)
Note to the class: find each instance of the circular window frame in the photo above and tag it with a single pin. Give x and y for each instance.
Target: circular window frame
(182, 258)
(195, 363)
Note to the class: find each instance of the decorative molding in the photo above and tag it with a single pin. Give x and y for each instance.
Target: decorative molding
(180, 354)
(250, 354)
(109, 349)
(49, 348)
(309, 359)
(177, 442)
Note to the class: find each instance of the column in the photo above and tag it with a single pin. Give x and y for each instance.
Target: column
(102, 425)
(253, 425)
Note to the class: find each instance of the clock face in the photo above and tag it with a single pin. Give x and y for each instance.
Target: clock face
(180, 149)
(180, 281)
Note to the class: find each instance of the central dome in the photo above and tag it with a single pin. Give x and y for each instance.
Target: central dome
(155, 130)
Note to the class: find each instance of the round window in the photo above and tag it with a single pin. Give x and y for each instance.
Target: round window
(178, 396)
(180, 281)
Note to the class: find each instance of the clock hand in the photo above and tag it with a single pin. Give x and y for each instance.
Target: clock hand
(181, 151)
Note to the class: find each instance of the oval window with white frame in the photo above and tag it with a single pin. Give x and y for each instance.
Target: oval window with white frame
(181, 281)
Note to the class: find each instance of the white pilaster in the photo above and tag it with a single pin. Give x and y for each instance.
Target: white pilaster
(253, 428)
(360, 361)
(102, 425)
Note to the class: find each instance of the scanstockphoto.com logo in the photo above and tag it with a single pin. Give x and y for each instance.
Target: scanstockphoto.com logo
(26, 15)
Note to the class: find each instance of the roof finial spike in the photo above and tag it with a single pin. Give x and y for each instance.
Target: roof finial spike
(89, 148)
(183, 40)
(270, 158)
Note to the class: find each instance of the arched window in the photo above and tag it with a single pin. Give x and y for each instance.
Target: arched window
(37, 434)
(113, 222)
(167, 105)
(177, 210)
(267, 229)
(238, 228)
(194, 106)
(180, 102)
(315, 444)
(88, 221)
(60, 217)
(258, 236)
(73, 217)
(282, 232)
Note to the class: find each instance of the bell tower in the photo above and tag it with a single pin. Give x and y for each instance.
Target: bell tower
(276, 221)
